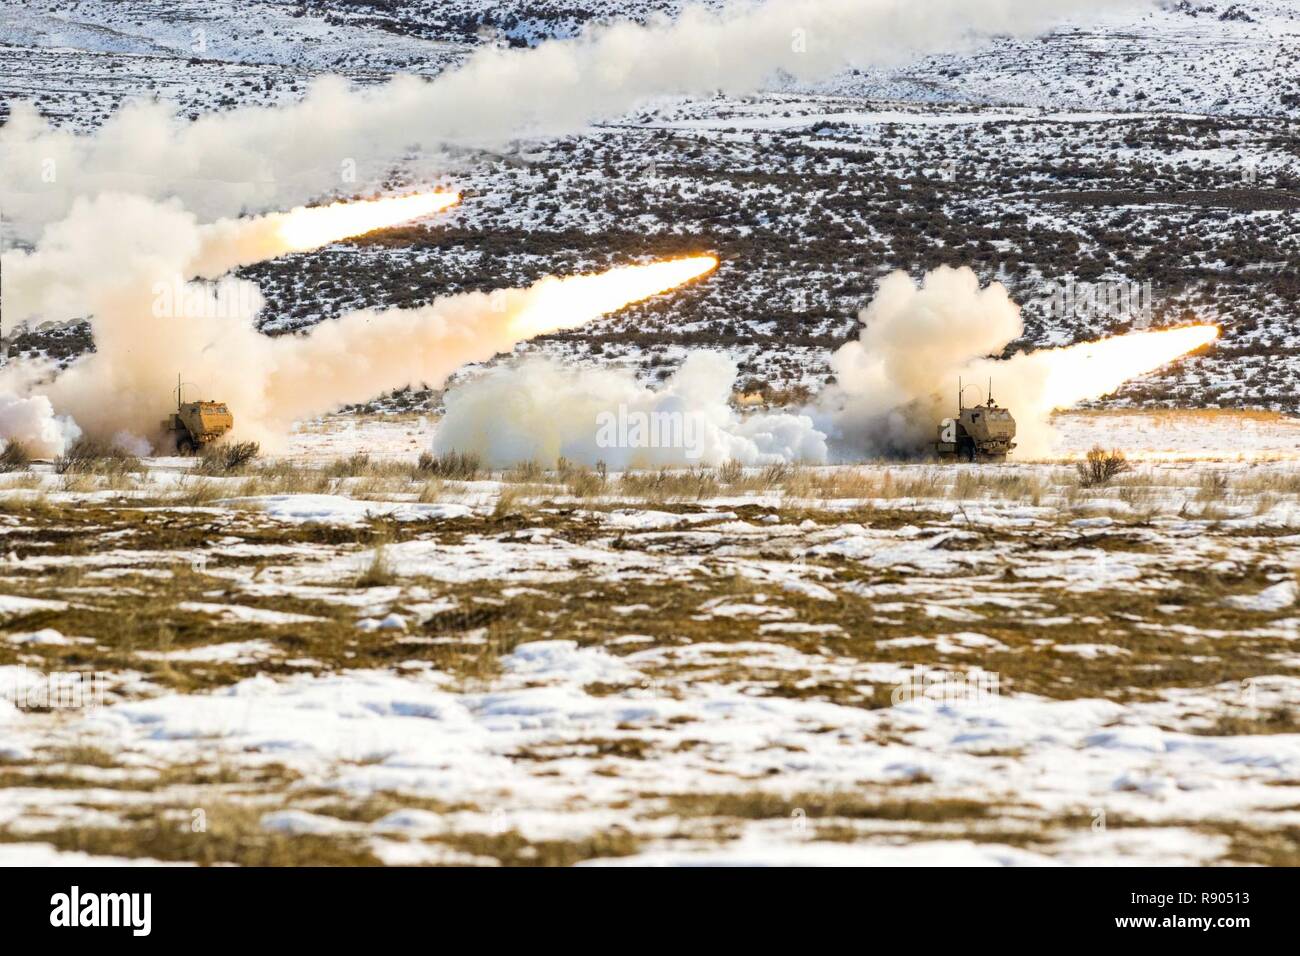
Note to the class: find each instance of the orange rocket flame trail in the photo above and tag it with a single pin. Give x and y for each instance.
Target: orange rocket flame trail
(1093, 369)
(1035, 384)
(364, 353)
(308, 228)
(556, 303)
(229, 243)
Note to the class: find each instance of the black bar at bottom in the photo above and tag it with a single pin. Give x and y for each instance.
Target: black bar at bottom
(335, 906)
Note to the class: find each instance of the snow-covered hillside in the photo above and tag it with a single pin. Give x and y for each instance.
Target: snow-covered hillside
(1158, 144)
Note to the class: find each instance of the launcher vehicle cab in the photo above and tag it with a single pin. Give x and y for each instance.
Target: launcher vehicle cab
(196, 424)
(980, 433)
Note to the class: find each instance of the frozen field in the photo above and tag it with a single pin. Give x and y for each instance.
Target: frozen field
(1179, 435)
(332, 660)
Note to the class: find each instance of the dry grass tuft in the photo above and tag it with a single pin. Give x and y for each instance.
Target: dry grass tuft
(761, 805)
(525, 473)
(453, 465)
(379, 573)
(350, 467)
(1101, 467)
(585, 484)
(1281, 482)
(225, 458)
(15, 457)
(508, 502)
(92, 456)
(283, 477)
(682, 484)
(195, 491)
(1213, 487)
(431, 491)
(231, 833)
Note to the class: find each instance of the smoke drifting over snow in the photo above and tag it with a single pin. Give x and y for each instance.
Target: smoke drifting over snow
(128, 261)
(899, 379)
(894, 385)
(30, 419)
(541, 411)
(256, 157)
(149, 322)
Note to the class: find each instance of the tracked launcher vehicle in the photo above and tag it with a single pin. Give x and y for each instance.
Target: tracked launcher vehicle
(979, 433)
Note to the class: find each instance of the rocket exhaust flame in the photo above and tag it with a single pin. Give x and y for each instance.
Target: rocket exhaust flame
(1092, 369)
(142, 255)
(365, 353)
(272, 382)
(309, 228)
(116, 241)
(230, 243)
(1035, 384)
(566, 303)
(894, 384)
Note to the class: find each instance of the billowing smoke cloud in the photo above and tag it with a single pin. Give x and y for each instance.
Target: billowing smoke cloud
(894, 385)
(151, 323)
(30, 419)
(252, 158)
(900, 378)
(117, 242)
(540, 411)
(128, 263)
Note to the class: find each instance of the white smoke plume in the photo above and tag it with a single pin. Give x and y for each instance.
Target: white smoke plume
(892, 390)
(894, 385)
(541, 411)
(150, 323)
(31, 419)
(899, 380)
(28, 417)
(256, 157)
(115, 242)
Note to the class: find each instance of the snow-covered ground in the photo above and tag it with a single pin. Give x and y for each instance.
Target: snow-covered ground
(891, 663)
(1173, 434)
